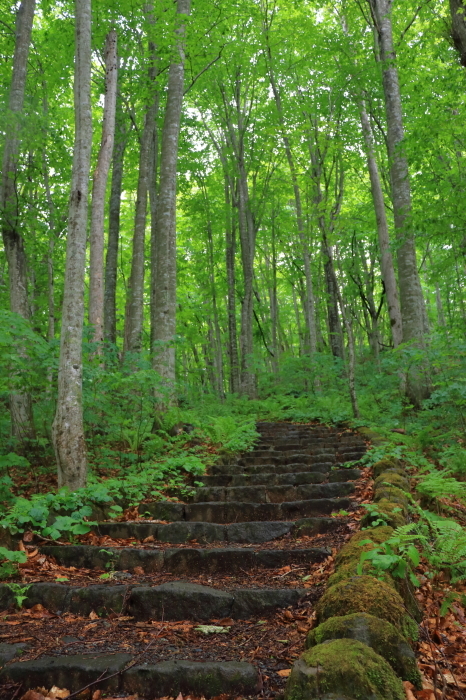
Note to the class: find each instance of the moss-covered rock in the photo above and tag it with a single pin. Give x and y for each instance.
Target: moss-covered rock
(391, 493)
(378, 634)
(394, 478)
(346, 571)
(344, 669)
(369, 595)
(394, 514)
(385, 464)
(352, 550)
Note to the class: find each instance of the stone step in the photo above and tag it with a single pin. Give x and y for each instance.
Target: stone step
(274, 479)
(169, 678)
(318, 466)
(292, 457)
(272, 494)
(177, 600)
(204, 533)
(182, 561)
(234, 512)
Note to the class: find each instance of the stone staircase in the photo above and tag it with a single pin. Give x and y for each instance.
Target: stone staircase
(218, 559)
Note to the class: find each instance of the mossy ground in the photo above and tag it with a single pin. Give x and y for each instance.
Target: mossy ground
(379, 634)
(344, 667)
(352, 550)
(393, 513)
(366, 594)
(386, 464)
(394, 478)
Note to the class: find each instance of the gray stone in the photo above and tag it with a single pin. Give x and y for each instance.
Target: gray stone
(208, 679)
(180, 533)
(163, 510)
(258, 601)
(179, 600)
(10, 651)
(344, 475)
(71, 672)
(257, 532)
(102, 599)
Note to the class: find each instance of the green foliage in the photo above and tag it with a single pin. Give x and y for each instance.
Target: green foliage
(19, 593)
(9, 561)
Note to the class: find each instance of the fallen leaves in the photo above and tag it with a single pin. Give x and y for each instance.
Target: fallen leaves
(284, 673)
(42, 694)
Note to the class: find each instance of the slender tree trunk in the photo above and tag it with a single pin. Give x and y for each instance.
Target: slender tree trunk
(216, 334)
(22, 421)
(111, 260)
(388, 271)
(334, 325)
(165, 295)
(230, 253)
(411, 297)
(134, 313)
(96, 236)
(68, 429)
(153, 199)
(458, 28)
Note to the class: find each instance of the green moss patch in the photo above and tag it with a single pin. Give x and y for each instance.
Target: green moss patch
(343, 668)
(385, 464)
(365, 594)
(393, 478)
(378, 634)
(394, 514)
(351, 552)
(391, 493)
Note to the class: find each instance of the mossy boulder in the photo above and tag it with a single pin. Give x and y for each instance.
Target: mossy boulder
(393, 478)
(378, 634)
(394, 514)
(346, 571)
(365, 594)
(352, 550)
(343, 669)
(386, 463)
(391, 493)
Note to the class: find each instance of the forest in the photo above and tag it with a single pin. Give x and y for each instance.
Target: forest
(218, 213)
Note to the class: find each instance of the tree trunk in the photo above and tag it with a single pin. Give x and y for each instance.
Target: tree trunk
(458, 28)
(388, 271)
(153, 199)
(22, 421)
(134, 313)
(165, 286)
(96, 236)
(68, 429)
(111, 261)
(334, 325)
(230, 253)
(411, 298)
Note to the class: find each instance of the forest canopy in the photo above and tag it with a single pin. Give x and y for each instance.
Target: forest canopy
(217, 211)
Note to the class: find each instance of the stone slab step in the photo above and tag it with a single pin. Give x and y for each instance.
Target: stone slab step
(268, 478)
(323, 466)
(168, 678)
(177, 600)
(203, 533)
(272, 494)
(182, 561)
(231, 512)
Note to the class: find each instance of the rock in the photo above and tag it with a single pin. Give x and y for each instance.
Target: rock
(365, 594)
(393, 514)
(392, 494)
(351, 552)
(343, 668)
(378, 634)
(257, 532)
(180, 600)
(394, 478)
(344, 475)
(10, 651)
(385, 464)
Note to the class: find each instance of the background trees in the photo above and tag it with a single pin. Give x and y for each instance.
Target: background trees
(271, 162)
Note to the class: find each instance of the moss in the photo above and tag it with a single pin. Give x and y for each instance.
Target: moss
(371, 435)
(352, 550)
(393, 513)
(346, 571)
(366, 594)
(394, 478)
(380, 635)
(393, 494)
(343, 668)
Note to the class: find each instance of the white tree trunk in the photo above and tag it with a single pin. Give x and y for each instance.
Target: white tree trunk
(411, 297)
(165, 286)
(96, 236)
(388, 271)
(22, 421)
(68, 429)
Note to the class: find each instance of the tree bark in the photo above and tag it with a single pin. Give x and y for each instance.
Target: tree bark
(165, 294)
(96, 236)
(68, 428)
(388, 271)
(134, 313)
(411, 297)
(458, 28)
(230, 254)
(111, 261)
(22, 421)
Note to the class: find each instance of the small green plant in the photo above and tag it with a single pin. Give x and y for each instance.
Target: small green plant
(394, 557)
(9, 565)
(19, 593)
(109, 564)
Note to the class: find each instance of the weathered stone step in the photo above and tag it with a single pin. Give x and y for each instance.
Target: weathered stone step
(177, 600)
(292, 457)
(234, 512)
(203, 533)
(167, 678)
(183, 561)
(274, 479)
(276, 468)
(272, 494)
